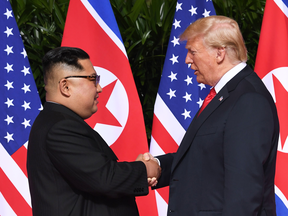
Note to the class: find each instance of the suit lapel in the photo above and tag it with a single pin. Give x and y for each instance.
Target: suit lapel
(196, 124)
(211, 107)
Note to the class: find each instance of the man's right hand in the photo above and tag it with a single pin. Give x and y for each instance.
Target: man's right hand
(152, 167)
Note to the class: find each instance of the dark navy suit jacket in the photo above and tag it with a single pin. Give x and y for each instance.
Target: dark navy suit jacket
(225, 164)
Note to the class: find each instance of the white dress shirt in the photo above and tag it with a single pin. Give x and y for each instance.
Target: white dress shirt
(229, 75)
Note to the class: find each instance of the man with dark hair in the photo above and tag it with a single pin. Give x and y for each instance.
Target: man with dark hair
(71, 169)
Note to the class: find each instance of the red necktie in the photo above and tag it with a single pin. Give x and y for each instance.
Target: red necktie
(207, 100)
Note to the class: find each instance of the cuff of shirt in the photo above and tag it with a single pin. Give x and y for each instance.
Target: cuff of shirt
(158, 161)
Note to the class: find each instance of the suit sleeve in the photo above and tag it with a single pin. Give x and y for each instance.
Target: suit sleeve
(248, 153)
(165, 163)
(84, 162)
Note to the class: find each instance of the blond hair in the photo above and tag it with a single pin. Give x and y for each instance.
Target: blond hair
(216, 32)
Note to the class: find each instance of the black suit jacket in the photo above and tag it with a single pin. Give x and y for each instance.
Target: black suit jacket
(225, 164)
(72, 171)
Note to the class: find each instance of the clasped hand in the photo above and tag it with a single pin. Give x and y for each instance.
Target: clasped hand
(152, 167)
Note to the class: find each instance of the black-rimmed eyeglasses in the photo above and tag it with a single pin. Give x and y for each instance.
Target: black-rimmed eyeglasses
(95, 78)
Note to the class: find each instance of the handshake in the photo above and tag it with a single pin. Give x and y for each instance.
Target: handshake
(152, 167)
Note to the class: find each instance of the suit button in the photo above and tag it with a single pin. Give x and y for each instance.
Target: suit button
(171, 211)
(175, 179)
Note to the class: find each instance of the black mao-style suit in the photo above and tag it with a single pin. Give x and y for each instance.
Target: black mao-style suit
(225, 164)
(72, 171)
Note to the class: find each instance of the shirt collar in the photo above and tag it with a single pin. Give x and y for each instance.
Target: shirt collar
(229, 75)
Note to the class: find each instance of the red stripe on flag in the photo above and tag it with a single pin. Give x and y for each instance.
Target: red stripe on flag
(20, 157)
(164, 193)
(162, 137)
(13, 197)
(167, 144)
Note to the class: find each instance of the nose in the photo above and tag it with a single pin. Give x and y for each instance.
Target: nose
(99, 88)
(188, 59)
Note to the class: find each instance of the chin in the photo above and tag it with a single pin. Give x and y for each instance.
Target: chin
(199, 80)
(94, 110)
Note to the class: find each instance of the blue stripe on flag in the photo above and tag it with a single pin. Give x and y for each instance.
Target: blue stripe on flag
(285, 2)
(281, 209)
(105, 11)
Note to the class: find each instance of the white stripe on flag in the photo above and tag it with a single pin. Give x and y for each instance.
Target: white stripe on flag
(155, 149)
(5, 207)
(103, 25)
(282, 6)
(168, 120)
(26, 145)
(15, 174)
(162, 206)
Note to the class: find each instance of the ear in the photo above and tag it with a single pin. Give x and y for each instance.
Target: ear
(220, 56)
(64, 88)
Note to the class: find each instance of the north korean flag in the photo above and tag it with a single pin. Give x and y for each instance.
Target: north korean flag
(91, 26)
(272, 66)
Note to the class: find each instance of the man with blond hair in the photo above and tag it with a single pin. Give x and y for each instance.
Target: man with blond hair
(225, 164)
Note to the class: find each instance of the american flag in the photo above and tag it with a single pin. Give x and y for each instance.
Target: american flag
(19, 106)
(179, 95)
(273, 69)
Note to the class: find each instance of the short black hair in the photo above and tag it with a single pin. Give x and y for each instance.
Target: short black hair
(65, 55)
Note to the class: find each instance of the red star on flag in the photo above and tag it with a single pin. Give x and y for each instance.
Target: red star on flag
(102, 109)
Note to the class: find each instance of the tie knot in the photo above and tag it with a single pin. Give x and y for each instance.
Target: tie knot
(212, 92)
(209, 97)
